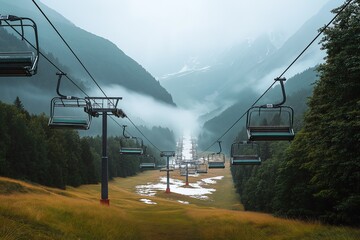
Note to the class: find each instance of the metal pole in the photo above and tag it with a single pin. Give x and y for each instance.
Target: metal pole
(187, 175)
(104, 164)
(167, 175)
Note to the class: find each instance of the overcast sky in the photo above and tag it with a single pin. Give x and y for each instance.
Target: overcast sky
(157, 33)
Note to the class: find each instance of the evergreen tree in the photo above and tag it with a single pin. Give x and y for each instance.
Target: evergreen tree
(324, 161)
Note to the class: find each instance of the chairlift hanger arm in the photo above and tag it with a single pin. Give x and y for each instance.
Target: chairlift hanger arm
(219, 142)
(124, 135)
(281, 80)
(60, 74)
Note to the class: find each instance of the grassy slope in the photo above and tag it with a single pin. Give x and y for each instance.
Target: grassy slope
(35, 212)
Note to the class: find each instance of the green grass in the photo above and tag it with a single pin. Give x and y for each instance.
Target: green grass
(35, 212)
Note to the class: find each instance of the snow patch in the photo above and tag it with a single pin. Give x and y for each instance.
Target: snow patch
(196, 190)
(147, 201)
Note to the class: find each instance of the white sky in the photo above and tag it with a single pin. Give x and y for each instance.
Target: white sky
(157, 33)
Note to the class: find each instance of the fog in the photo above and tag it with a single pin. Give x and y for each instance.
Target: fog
(144, 110)
(162, 35)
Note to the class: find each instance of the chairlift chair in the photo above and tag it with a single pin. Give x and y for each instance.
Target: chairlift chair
(69, 111)
(138, 142)
(19, 63)
(149, 162)
(271, 122)
(216, 160)
(245, 153)
(202, 168)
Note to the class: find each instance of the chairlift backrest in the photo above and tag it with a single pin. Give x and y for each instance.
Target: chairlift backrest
(245, 153)
(69, 113)
(19, 63)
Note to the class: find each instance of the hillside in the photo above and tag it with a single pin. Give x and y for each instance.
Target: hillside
(35, 212)
(108, 64)
(298, 89)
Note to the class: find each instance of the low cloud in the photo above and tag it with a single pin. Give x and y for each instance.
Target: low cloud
(145, 110)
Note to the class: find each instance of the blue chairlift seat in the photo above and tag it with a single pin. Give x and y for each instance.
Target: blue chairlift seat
(270, 133)
(245, 160)
(131, 151)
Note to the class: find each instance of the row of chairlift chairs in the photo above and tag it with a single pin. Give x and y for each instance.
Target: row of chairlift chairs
(64, 110)
(269, 122)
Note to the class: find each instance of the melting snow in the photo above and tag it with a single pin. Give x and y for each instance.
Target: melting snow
(147, 201)
(196, 190)
(212, 180)
(183, 202)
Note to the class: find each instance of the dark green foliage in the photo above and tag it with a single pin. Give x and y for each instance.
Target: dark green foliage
(318, 175)
(30, 150)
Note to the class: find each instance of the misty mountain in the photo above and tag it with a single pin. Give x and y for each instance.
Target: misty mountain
(108, 64)
(298, 89)
(249, 65)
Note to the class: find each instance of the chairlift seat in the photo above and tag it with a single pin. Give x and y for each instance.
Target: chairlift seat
(147, 165)
(73, 123)
(17, 64)
(131, 151)
(270, 133)
(216, 165)
(246, 160)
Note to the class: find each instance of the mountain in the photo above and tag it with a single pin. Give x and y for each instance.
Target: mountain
(298, 89)
(251, 64)
(108, 64)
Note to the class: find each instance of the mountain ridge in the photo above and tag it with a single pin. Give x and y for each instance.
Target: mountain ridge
(105, 61)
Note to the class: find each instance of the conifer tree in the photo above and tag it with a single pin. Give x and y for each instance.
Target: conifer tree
(326, 152)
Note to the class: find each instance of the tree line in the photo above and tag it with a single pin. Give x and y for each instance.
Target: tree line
(317, 176)
(31, 151)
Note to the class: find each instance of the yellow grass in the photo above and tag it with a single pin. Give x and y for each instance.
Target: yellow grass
(34, 212)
